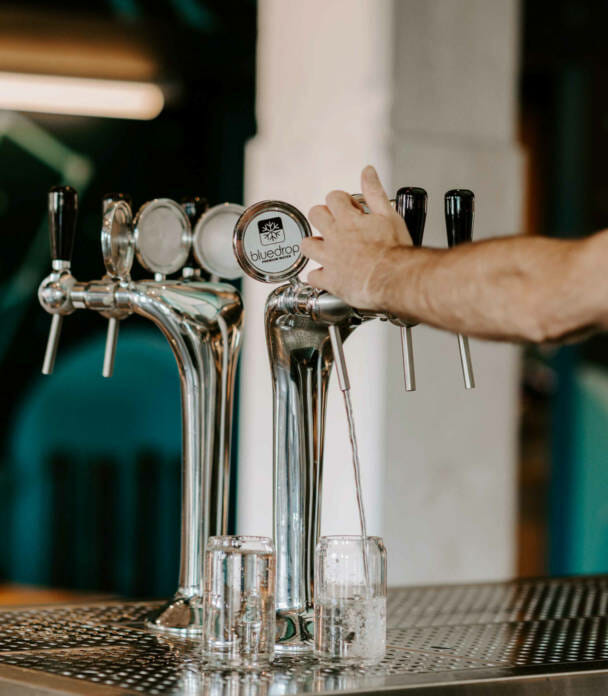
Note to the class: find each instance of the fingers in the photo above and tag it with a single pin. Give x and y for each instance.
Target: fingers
(341, 204)
(374, 193)
(317, 279)
(314, 248)
(320, 216)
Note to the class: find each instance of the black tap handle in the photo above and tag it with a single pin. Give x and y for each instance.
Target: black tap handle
(459, 211)
(113, 197)
(63, 210)
(410, 203)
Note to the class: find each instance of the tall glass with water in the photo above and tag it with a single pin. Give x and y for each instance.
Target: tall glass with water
(350, 599)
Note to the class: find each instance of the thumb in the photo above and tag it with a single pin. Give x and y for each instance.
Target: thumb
(374, 193)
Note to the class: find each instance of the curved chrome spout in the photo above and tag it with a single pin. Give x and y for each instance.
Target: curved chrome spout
(301, 359)
(202, 322)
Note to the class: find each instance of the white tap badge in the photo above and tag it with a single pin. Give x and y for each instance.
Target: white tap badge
(268, 241)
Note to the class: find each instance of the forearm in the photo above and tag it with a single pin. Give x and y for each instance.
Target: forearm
(518, 288)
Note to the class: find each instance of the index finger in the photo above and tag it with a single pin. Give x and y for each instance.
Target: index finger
(374, 193)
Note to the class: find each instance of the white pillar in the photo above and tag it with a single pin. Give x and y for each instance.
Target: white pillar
(425, 90)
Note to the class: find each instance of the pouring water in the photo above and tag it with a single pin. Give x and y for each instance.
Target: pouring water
(358, 488)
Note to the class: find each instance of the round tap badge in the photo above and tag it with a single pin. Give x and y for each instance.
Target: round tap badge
(212, 240)
(162, 236)
(267, 240)
(117, 239)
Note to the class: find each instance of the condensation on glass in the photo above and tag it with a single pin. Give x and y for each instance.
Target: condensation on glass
(350, 599)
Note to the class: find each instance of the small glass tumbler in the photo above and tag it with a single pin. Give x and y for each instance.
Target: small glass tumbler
(350, 599)
(238, 601)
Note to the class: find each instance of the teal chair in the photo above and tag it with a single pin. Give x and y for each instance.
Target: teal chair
(93, 472)
(587, 498)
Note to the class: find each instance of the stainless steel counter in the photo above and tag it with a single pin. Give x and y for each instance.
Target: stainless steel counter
(522, 637)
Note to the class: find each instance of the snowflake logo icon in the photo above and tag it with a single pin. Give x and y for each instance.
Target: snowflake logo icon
(271, 231)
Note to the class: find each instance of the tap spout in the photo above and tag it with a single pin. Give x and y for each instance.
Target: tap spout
(202, 323)
(297, 318)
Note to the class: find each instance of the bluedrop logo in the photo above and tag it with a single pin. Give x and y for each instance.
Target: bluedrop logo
(271, 231)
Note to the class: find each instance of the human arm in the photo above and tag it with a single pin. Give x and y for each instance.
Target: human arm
(517, 288)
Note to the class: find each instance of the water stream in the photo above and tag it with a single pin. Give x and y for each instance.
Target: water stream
(359, 491)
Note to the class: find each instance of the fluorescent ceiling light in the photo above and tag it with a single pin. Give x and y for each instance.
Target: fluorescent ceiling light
(79, 96)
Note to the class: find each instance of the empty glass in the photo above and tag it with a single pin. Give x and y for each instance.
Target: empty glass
(238, 600)
(350, 599)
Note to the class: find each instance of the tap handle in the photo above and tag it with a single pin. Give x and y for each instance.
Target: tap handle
(459, 212)
(339, 359)
(48, 364)
(63, 210)
(410, 203)
(109, 354)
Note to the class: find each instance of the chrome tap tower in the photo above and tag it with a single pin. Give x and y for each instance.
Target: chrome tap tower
(305, 328)
(202, 323)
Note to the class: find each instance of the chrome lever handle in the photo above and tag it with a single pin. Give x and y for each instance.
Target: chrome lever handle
(465, 361)
(339, 359)
(407, 350)
(110, 349)
(48, 364)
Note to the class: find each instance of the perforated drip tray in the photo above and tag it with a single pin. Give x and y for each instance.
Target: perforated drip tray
(521, 637)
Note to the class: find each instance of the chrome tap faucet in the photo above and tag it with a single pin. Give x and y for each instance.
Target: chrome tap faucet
(267, 242)
(202, 322)
(305, 330)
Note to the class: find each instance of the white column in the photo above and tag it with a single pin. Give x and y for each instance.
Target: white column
(425, 90)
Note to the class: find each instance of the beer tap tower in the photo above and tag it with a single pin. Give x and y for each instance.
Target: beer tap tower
(202, 323)
(305, 329)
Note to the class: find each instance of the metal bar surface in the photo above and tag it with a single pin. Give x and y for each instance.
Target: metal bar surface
(518, 638)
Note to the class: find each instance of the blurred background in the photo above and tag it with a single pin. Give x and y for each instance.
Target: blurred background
(289, 99)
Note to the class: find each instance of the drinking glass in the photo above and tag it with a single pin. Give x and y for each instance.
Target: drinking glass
(238, 600)
(350, 599)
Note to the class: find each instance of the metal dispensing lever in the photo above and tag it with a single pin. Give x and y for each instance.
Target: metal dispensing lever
(410, 203)
(62, 214)
(117, 250)
(459, 211)
(337, 348)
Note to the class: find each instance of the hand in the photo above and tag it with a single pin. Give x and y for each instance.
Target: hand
(355, 247)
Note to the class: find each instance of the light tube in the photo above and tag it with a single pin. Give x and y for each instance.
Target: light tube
(79, 96)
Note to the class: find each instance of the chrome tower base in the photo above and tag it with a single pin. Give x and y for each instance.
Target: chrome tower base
(295, 632)
(181, 615)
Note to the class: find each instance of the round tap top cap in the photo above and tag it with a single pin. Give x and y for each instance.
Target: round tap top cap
(212, 240)
(117, 244)
(267, 240)
(163, 236)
